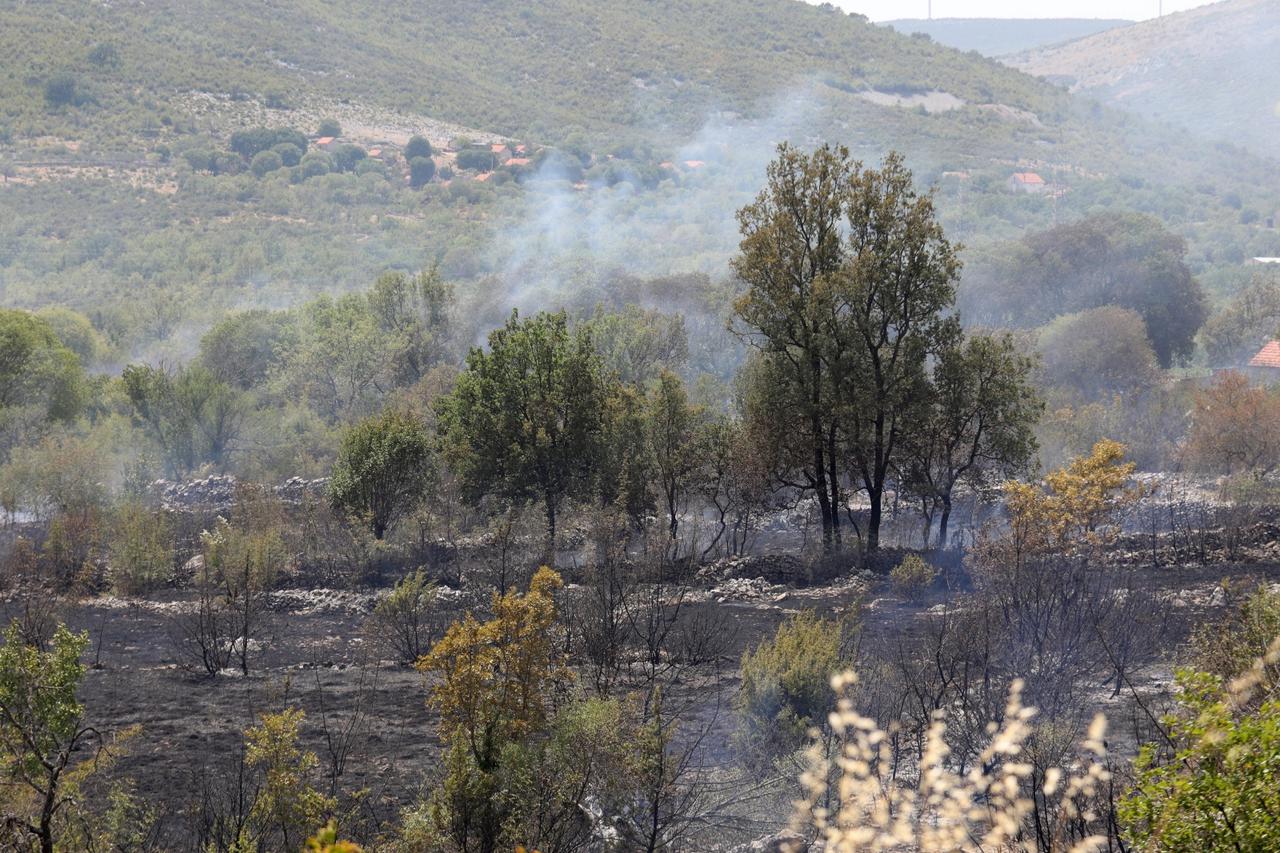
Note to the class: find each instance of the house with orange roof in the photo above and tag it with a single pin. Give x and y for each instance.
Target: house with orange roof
(518, 161)
(1027, 182)
(501, 152)
(324, 142)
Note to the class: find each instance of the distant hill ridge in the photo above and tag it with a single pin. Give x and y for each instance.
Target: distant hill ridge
(1002, 36)
(1212, 69)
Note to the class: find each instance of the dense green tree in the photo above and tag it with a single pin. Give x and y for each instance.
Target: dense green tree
(418, 312)
(636, 344)
(891, 309)
(523, 422)
(347, 157)
(76, 332)
(329, 127)
(241, 349)
(1125, 259)
(981, 413)
(248, 143)
(265, 162)
(671, 430)
(421, 171)
(623, 462)
(191, 415)
(290, 154)
(791, 249)
(1096, 353)
(476, 159)
(418, 146)
(40, 378)
(384, 469)
(341, 358)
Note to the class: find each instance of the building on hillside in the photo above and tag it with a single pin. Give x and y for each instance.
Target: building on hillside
(1265, 364)
(1026, 182)
(501, 153)
(324, 143)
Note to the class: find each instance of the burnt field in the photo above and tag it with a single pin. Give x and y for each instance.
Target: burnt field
(368, 721)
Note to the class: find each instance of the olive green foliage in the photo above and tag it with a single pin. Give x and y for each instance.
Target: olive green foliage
(849, 288)
(77, 333)
(42, 727)
(286, 806)
(1214, 787)
(1120, 259)
(977, 423)
(250, 143)
(265, 162)
(241, 349)
(384, 469)
(912, 577)
(191, 416)
(405, 619)
(41, 379)
(417, 146)
(786, 685)
(523, 421)
(1095, 353)
(140, 550)
(421, 171)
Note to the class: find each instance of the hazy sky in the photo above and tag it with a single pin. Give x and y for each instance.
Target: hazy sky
(883, 10)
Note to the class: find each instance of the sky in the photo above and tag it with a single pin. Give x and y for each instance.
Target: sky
(883, 10)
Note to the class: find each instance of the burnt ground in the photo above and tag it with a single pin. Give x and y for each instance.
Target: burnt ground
(315, 653)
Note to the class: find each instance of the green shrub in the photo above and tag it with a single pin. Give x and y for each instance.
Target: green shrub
(141, 551)
(329, 127)
(786, 685)
(912, 577)
(418, 147)
(421, 171)
(404, 619)
(265, 162)
(290, 154)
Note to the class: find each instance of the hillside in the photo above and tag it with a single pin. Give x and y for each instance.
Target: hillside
(1002, 36)
(117, 188)
(1212, 70)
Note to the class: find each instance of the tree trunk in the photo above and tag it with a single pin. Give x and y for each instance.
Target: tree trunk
(942, 522)
(876, 496)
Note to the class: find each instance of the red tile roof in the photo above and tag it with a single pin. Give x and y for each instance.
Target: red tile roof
(1028, 178)
(498, 148)
(1268, 356)
(518, 161)
(324, 140)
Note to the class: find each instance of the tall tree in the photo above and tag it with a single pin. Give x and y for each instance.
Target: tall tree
(978, 429)
(790, 251)
(889, 314)
(523, 422)
(671, 427)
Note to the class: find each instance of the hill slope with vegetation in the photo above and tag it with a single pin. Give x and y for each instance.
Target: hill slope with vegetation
(1210, 69)
(647, 127)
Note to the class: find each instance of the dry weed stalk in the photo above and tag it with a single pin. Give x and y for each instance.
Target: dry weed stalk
(855, 802)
